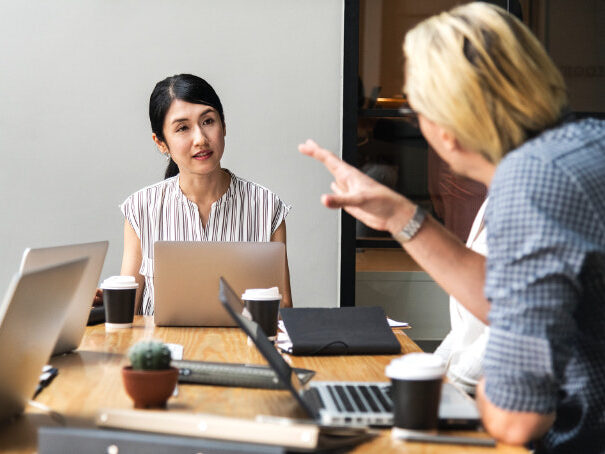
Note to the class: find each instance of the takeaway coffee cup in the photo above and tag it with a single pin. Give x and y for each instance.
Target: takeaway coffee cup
(119, 294)
(415, 390)
(263, 306)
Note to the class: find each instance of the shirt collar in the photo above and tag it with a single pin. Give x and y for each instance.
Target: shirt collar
(230, 193)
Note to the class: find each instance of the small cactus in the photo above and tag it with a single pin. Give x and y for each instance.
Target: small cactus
(149, 355)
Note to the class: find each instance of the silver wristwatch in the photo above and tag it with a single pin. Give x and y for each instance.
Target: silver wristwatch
(412, 227)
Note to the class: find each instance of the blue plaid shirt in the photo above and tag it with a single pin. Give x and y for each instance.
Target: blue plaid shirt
(546, 282)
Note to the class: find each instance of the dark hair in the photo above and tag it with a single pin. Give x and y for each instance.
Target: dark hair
(185, 87)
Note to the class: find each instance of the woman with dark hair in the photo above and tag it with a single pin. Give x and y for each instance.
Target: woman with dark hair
(198, 199)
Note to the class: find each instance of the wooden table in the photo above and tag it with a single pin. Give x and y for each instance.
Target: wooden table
(90, 379)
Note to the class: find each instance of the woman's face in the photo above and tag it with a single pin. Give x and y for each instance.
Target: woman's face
(195, 137)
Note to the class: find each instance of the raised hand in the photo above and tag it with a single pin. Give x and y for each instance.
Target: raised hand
(363, 198)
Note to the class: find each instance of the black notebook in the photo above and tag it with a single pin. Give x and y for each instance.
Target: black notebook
(339, 331)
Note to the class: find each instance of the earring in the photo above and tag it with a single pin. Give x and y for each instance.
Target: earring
(167, 156)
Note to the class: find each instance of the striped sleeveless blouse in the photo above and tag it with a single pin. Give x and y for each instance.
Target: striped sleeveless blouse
(161, 212)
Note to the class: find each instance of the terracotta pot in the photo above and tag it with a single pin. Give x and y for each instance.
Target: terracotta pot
(149, 388)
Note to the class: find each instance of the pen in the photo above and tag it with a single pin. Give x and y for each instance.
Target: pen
(47, 376)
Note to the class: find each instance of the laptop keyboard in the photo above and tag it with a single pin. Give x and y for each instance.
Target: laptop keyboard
(360, 403)
(383, 394)
(361, 398)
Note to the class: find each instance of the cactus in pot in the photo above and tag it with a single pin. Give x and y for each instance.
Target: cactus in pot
(150, 380)
(149, 355)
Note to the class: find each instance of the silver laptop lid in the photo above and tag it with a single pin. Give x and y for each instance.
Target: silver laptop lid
(75, 324)
(31, 316)
(186, 277)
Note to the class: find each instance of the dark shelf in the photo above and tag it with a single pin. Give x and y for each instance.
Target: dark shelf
(376, 243)
(391, 113)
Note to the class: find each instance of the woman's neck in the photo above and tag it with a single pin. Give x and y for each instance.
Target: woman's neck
(205, 189)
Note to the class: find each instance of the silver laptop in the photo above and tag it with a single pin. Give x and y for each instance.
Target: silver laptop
(31, 316)
(346, 403)
(186, 277)
(81, 302)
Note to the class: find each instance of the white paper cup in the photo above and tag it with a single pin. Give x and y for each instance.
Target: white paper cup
(263, 306)
(416, 380)
(119, 293)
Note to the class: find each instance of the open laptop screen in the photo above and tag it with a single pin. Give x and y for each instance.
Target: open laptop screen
(79, 309)
(232, 303)
(186, 276)
(31, 316)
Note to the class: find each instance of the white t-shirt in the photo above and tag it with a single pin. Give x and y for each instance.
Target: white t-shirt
(161, 212)
(464, 346)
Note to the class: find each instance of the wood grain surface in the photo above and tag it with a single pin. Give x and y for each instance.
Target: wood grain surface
(90, 379)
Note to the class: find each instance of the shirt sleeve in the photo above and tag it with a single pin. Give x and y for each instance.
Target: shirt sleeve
(534, 236)
(131, 210)
(280, 212)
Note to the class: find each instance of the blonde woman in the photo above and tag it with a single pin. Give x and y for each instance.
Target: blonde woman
(493, 105)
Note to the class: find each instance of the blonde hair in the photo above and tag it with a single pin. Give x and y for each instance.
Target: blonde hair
(479, 72)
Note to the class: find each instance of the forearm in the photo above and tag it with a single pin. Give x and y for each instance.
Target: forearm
(286, 300)
(131, 261)
(280, 236)
(128, 269)
(512, 427)
(287, 296)
(456, 268)
(139, 295)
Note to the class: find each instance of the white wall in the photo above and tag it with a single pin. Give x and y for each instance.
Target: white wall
(75, 139)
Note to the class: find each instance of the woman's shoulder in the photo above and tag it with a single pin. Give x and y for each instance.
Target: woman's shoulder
(244, 186)
(246, 192)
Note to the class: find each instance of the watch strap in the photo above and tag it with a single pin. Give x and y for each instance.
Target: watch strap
(411, 228)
